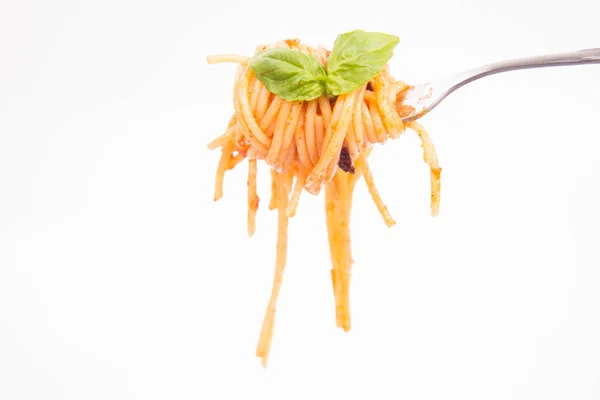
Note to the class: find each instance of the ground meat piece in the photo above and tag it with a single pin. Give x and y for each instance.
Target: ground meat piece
(345, 162)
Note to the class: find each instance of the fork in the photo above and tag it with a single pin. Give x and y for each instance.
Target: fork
(421, 99)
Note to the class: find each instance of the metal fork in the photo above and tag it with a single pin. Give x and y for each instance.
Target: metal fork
(419, 100)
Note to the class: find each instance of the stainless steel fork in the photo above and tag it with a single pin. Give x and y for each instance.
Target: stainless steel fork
(421, 99)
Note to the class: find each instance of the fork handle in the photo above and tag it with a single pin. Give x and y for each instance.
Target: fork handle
(589, 56)
(426, 97)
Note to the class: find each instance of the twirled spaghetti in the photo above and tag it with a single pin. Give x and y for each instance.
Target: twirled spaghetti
(308, 145)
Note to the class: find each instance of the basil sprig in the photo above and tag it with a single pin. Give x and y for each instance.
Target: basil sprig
(290, 74)
(356, 57)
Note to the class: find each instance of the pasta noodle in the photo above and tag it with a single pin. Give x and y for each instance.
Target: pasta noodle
(311, 145)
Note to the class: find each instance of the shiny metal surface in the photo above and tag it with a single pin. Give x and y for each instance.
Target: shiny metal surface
(424, 98)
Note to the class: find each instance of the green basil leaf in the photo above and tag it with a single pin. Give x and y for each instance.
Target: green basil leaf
(357, 57)
(290, 74)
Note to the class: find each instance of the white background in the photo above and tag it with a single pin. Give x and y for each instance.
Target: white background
(120, 278)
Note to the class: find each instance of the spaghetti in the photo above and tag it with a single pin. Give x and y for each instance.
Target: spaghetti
(311, 145)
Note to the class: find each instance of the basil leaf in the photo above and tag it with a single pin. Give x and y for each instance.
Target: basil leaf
(357, 57)
(290, 74)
